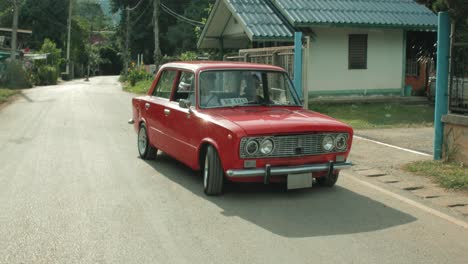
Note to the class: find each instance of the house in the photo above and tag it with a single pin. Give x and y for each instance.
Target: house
(5, 41)
(350, 47)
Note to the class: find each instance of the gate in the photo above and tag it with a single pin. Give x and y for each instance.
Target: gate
(278, 56)
(458, 91)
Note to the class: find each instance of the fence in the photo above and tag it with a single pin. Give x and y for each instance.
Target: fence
(459, 79)
(278, 56)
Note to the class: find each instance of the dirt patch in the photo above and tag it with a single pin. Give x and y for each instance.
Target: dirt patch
(419, 139)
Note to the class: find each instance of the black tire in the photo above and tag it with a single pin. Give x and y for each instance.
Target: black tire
(213, 174)
(146, 151)
(328, 181)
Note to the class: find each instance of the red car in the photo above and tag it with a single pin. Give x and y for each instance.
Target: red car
(240, 122)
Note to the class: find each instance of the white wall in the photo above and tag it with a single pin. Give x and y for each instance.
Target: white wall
(327, 65)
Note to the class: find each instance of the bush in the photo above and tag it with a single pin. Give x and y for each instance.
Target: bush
(47, 75)
(188, 56)
(15, 76)
(135, 75)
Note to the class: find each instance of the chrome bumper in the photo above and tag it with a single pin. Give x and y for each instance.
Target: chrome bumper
(275, 171)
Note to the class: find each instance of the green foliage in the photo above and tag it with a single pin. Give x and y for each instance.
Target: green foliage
(15, 76)
(5, 93)
(366, 116)
(54, 58)
(188, 56)
(47, 19)
(176, 36)
(47, 75)
(140, 87)
(447, 174)
(135, 75)
(93, 13)
(457, 8)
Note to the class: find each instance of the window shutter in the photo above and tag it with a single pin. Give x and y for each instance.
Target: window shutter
(357, 51)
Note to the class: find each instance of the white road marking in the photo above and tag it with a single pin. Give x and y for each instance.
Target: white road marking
(413, 203)
(393, 146)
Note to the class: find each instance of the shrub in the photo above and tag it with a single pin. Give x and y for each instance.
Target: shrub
(188, 56)
(47, 75)
(135, 75)
(15, 76)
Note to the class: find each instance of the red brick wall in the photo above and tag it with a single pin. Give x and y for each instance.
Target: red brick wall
(418, 82)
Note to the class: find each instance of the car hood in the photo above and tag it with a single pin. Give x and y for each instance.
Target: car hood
(269, 120)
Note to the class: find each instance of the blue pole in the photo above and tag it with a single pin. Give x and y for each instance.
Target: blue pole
(441, 95)
(298, 62)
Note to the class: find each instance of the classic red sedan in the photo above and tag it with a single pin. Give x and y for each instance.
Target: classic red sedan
(240, 122)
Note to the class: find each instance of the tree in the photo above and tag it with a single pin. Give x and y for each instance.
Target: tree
(175, 37)
(46, 19)
(55, 54)
(457, 8)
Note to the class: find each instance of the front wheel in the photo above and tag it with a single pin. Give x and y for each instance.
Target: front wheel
(145, 149)
(213, 175)
(329, 180)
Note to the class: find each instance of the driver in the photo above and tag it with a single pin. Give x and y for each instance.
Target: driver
(207, 84)
(250, 91)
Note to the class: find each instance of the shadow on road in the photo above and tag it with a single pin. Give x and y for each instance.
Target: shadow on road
(301, 213)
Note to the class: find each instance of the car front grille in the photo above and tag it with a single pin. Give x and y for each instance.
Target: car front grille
(289, 146)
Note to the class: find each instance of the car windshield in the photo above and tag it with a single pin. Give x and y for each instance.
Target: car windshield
(230, 88)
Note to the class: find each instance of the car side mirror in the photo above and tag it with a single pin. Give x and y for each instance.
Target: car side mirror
(183, 103)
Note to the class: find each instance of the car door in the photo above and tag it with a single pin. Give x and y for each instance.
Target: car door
(182, 122)
(156, 117)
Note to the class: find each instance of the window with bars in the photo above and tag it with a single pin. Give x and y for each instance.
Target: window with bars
(412, 68)
(357, 53)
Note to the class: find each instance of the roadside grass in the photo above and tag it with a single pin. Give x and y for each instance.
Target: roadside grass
(140, 87)
(367, 116)
(450, 175)
(5, 93)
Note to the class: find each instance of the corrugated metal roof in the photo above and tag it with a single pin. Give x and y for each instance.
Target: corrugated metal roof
(260, 19)
(391, 13)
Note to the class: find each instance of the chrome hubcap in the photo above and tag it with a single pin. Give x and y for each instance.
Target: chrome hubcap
(142, 141)
(205, 172)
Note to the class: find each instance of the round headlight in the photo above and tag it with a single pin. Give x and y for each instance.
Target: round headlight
(340, 142)
(328, 143)
(266, 147)
(251, 147)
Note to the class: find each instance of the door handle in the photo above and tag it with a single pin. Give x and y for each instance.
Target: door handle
(147, 106)
(167, 112)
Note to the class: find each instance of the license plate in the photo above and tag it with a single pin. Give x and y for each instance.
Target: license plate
(299, 181)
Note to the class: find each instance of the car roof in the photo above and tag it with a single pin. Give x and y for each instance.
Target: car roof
(211, 65)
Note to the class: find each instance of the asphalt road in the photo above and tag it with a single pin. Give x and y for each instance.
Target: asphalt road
(73, 190)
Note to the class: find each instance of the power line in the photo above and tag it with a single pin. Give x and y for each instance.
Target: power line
(136, 6)
(188, 20)
(141, 15)
(180, 17)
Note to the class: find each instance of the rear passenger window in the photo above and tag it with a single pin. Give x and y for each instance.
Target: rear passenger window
(165, 83)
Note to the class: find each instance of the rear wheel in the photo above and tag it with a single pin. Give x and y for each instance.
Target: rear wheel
(213, 174)
(145, 149)
(329, 180)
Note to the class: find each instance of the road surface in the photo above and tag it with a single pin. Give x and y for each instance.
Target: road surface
(73, 190)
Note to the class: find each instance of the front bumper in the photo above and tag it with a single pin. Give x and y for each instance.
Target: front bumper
(269, 171)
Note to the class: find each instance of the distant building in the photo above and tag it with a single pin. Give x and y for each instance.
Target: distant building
(5, 41)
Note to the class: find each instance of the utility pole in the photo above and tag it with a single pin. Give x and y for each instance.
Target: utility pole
(157, 49)
(14, 31)
(127, 42)
(69, 37)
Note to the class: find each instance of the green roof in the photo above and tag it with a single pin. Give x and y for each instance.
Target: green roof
(369, 13)
(260, 18)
